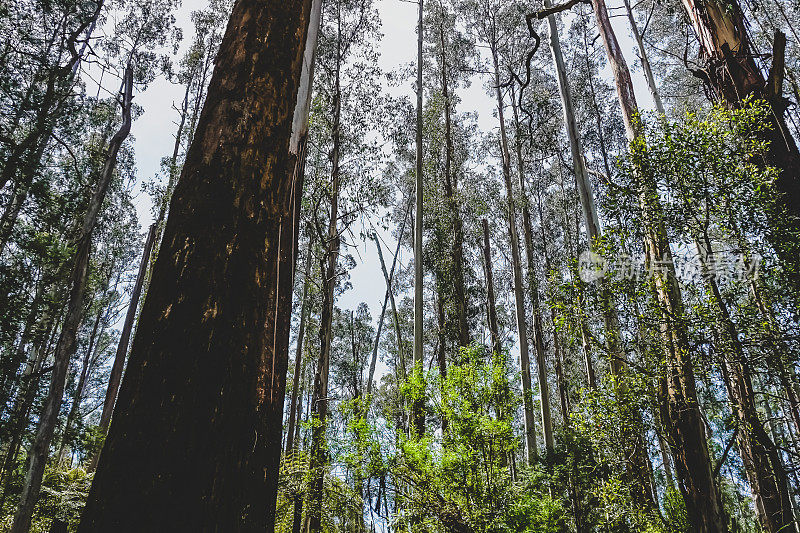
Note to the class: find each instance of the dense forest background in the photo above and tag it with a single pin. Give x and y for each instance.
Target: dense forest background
(542, 271)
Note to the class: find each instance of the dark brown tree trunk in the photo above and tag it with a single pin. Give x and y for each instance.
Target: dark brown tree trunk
(115, 378)
(197, 434)
(491, 308)
(65, 348)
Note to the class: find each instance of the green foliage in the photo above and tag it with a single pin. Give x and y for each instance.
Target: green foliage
(341, 505)
(463, 481)
(64, 492)
(675, 511)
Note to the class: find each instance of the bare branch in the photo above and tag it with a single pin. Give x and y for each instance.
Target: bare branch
(544, 13)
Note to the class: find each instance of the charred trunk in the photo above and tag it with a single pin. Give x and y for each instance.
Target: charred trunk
(197, 433)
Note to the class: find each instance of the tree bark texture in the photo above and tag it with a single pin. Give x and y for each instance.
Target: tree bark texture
(196, 437)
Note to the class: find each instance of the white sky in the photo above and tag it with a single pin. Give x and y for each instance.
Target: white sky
(154, 129)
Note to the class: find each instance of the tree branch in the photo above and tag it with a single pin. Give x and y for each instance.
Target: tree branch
(544, 13)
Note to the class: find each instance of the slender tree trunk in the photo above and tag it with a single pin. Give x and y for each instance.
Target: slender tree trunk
(490, 299)
(298, 354)
(533, 288)
(441, 348)
(648, 72)
(298, 143)
(759, 454)
(329, 269)
(417, 410)
(450, 184)
(197, 434)
(778, 353)
(115, 378)
(11, 368)
(65, 348)
(519, 294)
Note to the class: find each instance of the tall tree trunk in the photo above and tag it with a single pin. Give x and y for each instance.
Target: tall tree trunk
(759, 454)
(519, 293)
(732, 74)
(297, 153)
(298, 353)
(533, 288)
(115, 378)
(65, 348)
(490, 299)
(450, 190)
(329, 269)
(648, 71)
(197, 434)
(417, 409)
(679, 404)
